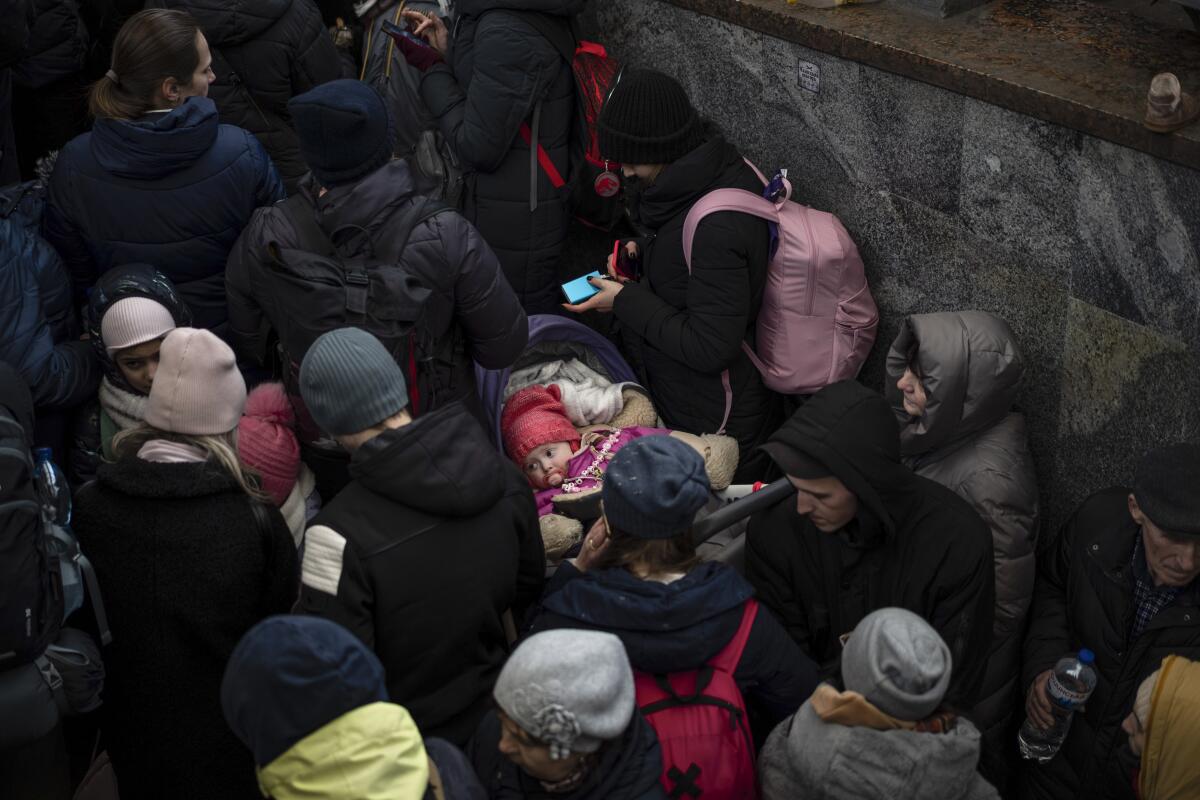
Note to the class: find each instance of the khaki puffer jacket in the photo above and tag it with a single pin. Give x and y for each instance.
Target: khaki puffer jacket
(971, 441)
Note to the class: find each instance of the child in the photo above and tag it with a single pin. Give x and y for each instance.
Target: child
(558, 460)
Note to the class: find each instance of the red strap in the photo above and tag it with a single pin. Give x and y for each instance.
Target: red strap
(556, 179)
(727, 660)
(414, 387)
(591, 48)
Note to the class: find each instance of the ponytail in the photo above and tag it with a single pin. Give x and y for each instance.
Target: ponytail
(151, 46)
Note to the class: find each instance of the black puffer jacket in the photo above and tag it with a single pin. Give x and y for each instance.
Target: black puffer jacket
(420, 555)
(628, 769)
(500, 68)
(264, 54)
(471, 303)
(685, 330)
(671, 627)
(914, 543)
(57, 44)
(1084, 598)
(186, 570)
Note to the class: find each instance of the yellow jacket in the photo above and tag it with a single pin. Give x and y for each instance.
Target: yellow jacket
(1171, 756)
(374, 752)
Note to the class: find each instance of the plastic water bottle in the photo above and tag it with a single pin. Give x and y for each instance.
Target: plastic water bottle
(56, 509)
(1069, 687)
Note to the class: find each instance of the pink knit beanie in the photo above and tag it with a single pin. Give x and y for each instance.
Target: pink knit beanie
(532, 417)
(133, 321)
(198, 390)
(267, 440)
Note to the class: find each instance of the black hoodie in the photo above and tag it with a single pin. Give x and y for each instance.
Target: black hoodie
(914, 544)
(420, 555)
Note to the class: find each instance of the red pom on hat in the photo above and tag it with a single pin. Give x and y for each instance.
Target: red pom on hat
(532, 417)
(267, 440)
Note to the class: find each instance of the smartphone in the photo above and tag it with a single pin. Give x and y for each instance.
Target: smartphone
(396, 32)
(578, 290)
(627, 266)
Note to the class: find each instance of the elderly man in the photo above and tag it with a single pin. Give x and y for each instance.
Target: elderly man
(866, 533)
(1121, 581)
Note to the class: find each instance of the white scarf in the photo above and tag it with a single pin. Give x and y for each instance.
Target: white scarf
(127, 409)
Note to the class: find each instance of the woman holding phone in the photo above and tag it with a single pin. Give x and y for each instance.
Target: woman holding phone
(685, 328)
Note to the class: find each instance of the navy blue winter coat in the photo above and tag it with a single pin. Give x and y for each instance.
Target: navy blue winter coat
(172, 189)
(37, 334)
(670, 627)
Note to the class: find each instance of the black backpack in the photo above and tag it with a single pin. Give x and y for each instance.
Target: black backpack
(31, 597)
(320, 290)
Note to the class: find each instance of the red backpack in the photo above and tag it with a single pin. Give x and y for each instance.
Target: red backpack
(700, 718)
(595, 184)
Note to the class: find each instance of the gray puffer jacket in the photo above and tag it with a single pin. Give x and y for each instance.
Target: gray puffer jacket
(805, 758)
(972, 442)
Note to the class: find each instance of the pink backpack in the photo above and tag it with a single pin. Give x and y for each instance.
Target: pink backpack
(700, 719)
(817, 321)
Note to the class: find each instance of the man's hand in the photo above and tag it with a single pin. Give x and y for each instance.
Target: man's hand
(594, 545)
(1037, 702)
(602, 301)
(431, 28)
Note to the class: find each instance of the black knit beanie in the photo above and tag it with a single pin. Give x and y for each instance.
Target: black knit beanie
(1165, 488)
(648, 119)
(345, 131)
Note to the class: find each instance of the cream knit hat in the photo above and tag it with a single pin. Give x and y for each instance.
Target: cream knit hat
(198, 390)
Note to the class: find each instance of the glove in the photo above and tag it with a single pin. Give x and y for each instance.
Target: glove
(418, 54)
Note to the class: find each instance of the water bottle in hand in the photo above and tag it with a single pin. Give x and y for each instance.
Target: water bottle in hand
(1070, 685)
(55, 498)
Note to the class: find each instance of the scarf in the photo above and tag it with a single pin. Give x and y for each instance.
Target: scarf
(855, 711)
(126, 409)
(1169, 769)
(160, 451)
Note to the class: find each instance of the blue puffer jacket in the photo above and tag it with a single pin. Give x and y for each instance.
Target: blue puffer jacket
(37, 335)
(172, 190)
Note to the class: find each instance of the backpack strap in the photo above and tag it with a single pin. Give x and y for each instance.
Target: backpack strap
(731, 654)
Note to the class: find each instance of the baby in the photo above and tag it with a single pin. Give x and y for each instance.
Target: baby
(556, 459)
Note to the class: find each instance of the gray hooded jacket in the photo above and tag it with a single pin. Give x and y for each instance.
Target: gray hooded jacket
(807, 759)
(972, 442)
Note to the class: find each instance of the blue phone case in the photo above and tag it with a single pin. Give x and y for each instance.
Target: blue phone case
(578, 290)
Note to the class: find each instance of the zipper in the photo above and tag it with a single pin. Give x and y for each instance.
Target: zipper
(812, 265)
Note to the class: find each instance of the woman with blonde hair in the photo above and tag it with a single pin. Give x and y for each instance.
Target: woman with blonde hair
(1164, 732)
(190, 556)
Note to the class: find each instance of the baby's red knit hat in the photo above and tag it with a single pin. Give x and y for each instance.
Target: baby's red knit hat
(532, 417)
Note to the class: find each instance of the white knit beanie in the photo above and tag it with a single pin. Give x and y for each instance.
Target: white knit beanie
(132, 321)
(198, 390)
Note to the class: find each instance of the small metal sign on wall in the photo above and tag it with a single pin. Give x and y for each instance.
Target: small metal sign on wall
(808, 75)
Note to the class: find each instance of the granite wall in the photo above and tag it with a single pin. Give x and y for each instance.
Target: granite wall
(1089, 250)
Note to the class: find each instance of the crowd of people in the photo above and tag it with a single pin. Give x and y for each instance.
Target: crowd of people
(257, 273)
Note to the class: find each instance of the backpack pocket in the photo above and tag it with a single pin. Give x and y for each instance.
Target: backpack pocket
(854, 325)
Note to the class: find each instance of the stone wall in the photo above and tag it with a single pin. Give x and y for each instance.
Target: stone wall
(1088, 249)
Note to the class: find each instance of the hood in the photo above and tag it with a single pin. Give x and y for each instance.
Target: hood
(971, 369)
(15, 396)
(829, 761)
(558, 8)
(132, 476)
(710, 166)
(372, 753)
(368, 203)
(852, 431)
(230, 22)
(441, 463)
(129, 280)
(1168, 765)
(665, 627)
(158, 144)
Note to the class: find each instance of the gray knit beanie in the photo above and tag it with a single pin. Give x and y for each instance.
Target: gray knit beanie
(898, 662)
(350, 382)
(571, 689)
